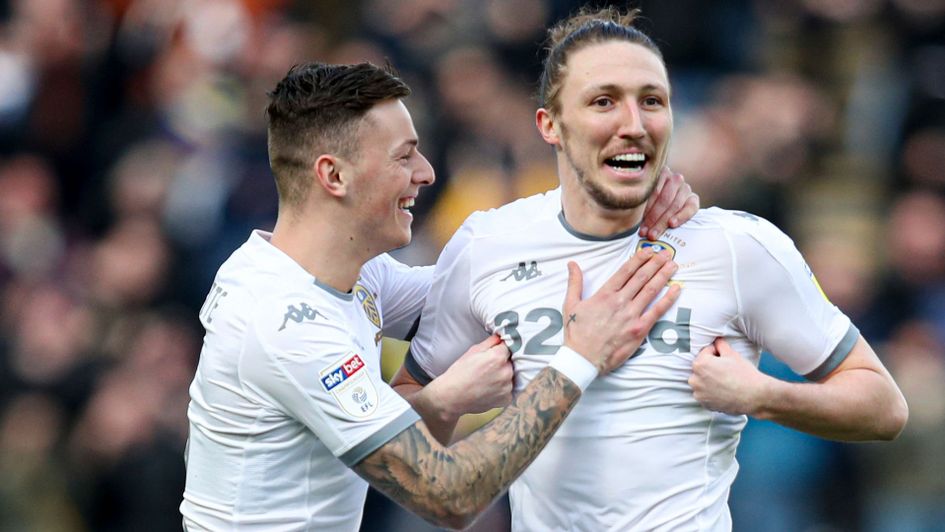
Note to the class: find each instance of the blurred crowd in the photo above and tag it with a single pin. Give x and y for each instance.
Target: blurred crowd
(133, 161)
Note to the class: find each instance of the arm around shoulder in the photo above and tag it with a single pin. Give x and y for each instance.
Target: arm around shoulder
(451, 486)
(478, 381)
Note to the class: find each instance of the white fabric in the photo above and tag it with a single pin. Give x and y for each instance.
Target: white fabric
(638, 452)
(288, 392)
(574, 366)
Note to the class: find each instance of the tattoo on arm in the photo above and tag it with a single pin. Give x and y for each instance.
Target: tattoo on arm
(450, 486)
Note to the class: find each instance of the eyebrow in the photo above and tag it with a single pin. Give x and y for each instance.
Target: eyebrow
(611, 87)
(412, 142)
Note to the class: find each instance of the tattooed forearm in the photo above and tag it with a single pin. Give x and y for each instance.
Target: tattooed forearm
(451, 486)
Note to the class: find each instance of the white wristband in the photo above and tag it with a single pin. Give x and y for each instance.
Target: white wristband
(574, 366)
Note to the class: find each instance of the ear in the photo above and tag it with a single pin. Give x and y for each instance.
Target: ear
(328, 174)
(545, 122)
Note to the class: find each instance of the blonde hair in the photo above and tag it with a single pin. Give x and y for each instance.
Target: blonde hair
(577, 31)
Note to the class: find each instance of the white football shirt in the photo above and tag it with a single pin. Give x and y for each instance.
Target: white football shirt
(638, 452)
(288, 392)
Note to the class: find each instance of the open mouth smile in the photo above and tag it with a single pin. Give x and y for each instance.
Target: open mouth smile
(405, 203)
(627, 162)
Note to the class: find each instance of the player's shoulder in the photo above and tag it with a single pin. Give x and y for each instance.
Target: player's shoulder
(713, 227)
(257, 268)
(731, 222)
(515, 216)
(267, 283)
(307, 315)
(749, 235)
(374, 270)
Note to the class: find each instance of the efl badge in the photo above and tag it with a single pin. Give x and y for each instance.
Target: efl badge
(349, 382)
(657, 246)
(368, 304)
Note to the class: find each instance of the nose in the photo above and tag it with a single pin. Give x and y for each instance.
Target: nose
(631, 122)
(424, 174)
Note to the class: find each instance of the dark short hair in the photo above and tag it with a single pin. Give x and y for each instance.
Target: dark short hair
(576, 32)
(316, 109)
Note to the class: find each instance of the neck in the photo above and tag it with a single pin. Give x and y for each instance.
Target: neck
(330, 251)
(584, 214)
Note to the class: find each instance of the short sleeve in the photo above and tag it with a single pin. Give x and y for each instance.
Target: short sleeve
(781, 306)
(448, 325)
(402, 290)
(318, 376)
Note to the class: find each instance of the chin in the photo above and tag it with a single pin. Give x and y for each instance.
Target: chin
(609, 198)
(403, 240)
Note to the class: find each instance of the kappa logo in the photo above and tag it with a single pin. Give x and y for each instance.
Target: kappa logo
(524, 272)
(299, 314)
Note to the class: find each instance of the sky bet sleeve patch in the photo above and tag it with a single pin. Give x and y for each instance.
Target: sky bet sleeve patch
(349, 383)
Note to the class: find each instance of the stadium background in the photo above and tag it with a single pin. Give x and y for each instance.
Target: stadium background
(133, 161)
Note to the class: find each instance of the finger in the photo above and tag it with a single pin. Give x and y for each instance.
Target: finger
(665, 175)
(689, 209)
(618, 280)
(644, 275)
(709, 350)
(486, 344)
(724, 349)
(677, 212)
(506, 371)
(575, 287)
(657, 208)
(673, 206)
(500, 350)
(661, 306)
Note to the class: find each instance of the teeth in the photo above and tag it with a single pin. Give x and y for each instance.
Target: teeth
(406, 203)
(630, 157)
(627, 162)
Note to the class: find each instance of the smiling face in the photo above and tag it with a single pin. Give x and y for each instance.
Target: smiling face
(613, 129)
(387, 175)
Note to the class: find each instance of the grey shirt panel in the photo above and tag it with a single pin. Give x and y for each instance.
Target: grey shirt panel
(838, 355)
(414, 369)
(373, 442)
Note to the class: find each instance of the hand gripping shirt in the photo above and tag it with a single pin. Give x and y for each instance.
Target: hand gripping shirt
(288, 392)
(638, 452)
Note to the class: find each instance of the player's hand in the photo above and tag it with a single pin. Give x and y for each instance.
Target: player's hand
(724, 381)
(479, 380)
(671, 205)
(608, 327)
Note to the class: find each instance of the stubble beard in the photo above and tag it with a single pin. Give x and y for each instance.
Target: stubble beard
(604, 197)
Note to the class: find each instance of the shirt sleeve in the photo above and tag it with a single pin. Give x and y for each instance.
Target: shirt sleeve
(317, 375)
(448, 325)
(781, 306)
(402, 290)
